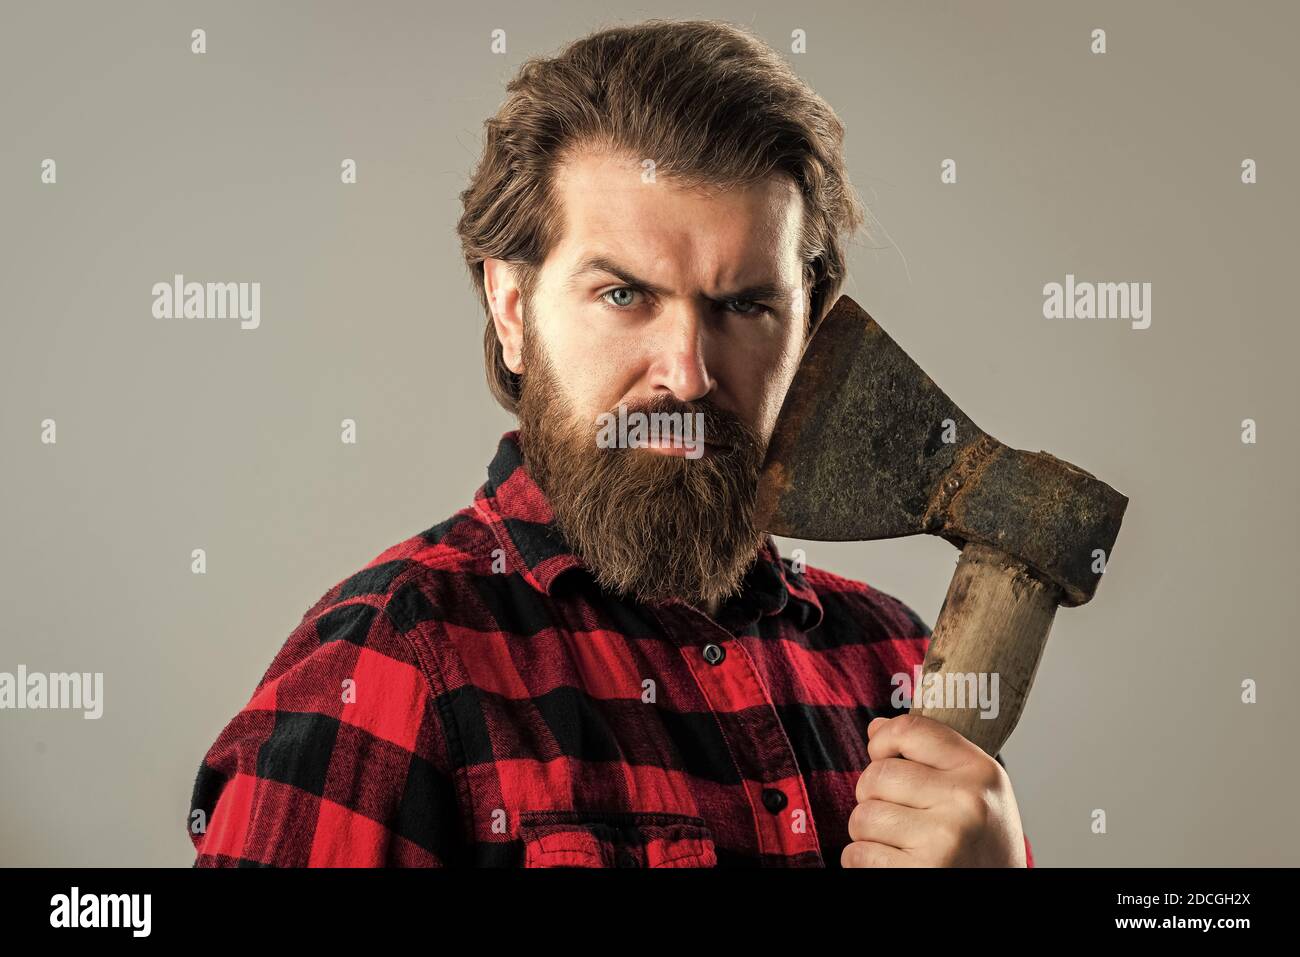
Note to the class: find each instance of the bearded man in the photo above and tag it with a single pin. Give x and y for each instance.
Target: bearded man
(601, 661)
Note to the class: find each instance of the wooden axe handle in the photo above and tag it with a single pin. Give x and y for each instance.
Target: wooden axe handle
(995, 620)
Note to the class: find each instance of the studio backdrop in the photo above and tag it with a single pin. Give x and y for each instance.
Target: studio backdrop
(179, 490)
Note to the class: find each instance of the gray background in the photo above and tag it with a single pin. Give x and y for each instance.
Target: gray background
(177, 434)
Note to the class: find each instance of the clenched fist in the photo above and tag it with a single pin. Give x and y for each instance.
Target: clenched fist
(930, 798)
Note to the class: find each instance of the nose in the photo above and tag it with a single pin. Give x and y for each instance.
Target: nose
(679, 365)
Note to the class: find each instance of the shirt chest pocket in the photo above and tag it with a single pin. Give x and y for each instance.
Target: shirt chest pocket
(615, 839)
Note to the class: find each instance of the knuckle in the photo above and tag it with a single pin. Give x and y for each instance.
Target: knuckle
(865, 779)
(857, 821)
(976, 806)
(853, 855)
(863, 817)
(907, 722)
(995, 776)
(887, 770)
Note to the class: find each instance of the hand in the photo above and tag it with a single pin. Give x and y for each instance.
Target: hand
(930, 798)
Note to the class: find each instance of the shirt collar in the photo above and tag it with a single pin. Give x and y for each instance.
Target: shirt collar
(517, 511)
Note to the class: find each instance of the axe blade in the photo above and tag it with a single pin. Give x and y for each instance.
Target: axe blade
(866, 446)
(859, 445)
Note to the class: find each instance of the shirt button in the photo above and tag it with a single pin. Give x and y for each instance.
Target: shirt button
(714, 654)
(773, 799)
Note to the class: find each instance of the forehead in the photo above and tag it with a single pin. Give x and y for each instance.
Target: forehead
(610, 208)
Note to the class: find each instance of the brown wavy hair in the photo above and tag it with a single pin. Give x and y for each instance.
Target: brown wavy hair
(711, 103)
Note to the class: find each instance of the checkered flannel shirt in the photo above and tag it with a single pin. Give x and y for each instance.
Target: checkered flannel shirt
(472, 698)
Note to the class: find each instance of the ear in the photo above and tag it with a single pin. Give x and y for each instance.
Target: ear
(499, 282)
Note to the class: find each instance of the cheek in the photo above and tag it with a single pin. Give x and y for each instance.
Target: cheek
(594, 370)
(772, 387)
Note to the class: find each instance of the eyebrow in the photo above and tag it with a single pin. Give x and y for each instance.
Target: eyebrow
(761, 291)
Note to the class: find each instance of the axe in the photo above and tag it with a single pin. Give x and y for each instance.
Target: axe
(867, 447)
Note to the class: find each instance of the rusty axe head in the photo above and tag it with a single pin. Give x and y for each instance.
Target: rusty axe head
(867, 447)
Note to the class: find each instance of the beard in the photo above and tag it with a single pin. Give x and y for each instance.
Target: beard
(649, 526)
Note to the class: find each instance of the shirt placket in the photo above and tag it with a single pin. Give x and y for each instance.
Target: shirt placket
(728, 678)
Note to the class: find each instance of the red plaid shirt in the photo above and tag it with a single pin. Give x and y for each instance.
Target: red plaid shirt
(472, 698)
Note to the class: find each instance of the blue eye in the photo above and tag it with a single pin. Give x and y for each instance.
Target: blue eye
(626, 296)
(623, 290)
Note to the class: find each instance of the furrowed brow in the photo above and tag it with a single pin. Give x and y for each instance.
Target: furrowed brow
(764, 292)
(603, 264)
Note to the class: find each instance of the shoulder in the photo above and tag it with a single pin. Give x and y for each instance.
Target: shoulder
(851, 604)
(419, 570)
(372, 614)
(465, 543)
(342, 748)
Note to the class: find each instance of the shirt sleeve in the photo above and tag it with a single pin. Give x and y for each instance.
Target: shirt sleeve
(339, 759)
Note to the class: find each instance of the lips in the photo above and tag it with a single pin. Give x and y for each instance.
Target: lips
(675, 443)
(666, 447)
